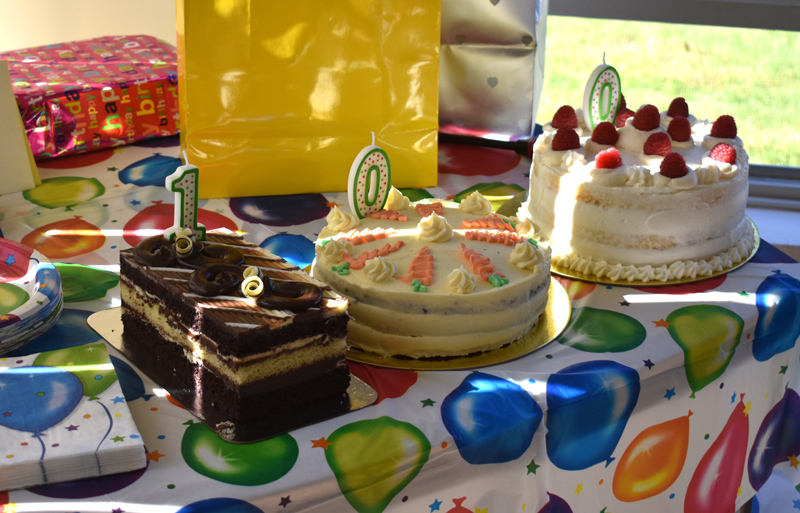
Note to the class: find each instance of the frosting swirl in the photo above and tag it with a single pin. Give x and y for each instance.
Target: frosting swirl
(526, 256)
(476, 203)
(528, 228)
(396, 200)
(341, 221)
(461, 281)
(334, 248)
(435, 228)
(380, 269)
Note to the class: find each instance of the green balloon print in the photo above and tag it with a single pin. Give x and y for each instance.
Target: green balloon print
(81, 283)
(11, 297)
(252, 464)
(602, 331)
(374, 459)
(708, 335)
(89, 363)
(64, 191)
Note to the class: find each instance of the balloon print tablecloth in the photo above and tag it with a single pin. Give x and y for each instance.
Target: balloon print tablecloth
(681, 398)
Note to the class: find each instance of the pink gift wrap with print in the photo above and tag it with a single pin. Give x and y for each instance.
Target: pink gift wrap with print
(97, 93)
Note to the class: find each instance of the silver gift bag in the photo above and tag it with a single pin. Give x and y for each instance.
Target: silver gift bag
(491, 67)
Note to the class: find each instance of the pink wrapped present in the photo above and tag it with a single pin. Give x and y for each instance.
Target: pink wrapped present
(93, 94)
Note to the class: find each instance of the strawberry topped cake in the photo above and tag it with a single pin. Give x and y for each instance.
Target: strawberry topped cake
(651, 197)
(434, 278)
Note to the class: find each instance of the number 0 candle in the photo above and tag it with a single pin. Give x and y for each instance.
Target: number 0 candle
(183, 182)
(602, 96)
(370, 180)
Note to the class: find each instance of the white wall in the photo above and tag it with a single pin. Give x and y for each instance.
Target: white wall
(28, 23)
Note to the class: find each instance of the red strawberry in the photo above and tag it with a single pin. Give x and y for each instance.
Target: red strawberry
(622, 117)
(566, 139)
(605, 133)
(678, 107)
(724, 127)
(647, 118)
(723, 152)
(608, 159)
(680, 129)
(565, 118)
(658, 144)
(623, 105)
(673, 166)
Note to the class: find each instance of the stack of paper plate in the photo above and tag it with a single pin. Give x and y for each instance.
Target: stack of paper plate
(31, 298)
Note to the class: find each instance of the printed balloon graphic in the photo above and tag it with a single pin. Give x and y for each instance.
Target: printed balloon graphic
(496, 192)
(15, 259)
(71, 329)
(139, 198)
(11, 297)
(778, 324)
(374, 459)
(777, 439)
(286, 210)
(66, 238)
(387, 383)
(88, 363)
(602, 331)
(459, 506)
(588, 407)
(92, 487)
(686, 288)
(492, 420)
(252, 464)
(130, 382)
(152, 170)
(717, 478)
(81, 283)
(466, 160)
(708, 335)
(297, 249)
(576, 289)
(37, 398)
(652, 461)
(159, 216)
(220, 505)
(48, 281)
(64, 191)
(769, 254)
(555, 505)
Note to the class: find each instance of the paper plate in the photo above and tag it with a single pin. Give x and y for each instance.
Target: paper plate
(31, 298)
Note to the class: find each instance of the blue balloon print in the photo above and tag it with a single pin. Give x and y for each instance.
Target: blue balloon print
(288, 210)
(778, 324)
(72, 329)
(295, 248)
(220, 505)
(47, 275)
(555, 505)
(130, 382)
(491, 419)
(769, 254)
(777, 440)
(588, 406)
(36, 398)
(150, 171)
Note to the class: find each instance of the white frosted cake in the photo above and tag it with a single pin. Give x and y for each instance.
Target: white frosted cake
(434, 278)
(660, 198)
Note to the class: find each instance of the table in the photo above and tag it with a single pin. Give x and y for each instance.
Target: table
(694, 386)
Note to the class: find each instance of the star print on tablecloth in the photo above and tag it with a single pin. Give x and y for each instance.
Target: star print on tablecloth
(796, 504)
(428, 402)
(478, 510)
(10, 260)
(117, 510)
(532, 466)
(670, 393)
(733, 397)
(331, 204)
(112, 168)
(783, 370)
(285, 501)
(7, 414)
(661, 323)
(154, 456)
(744, 294)
(71, 427)
(648, 363)
(747, 406)
(118, 439)
(10, 507)
(579, 489)
(322, 442)
(118, 400)
(793, 461)
(624, 303)
(436, 505)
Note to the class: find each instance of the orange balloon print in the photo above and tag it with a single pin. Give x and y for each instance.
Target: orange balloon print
(653, 460)
(575, 289)
(66, 238)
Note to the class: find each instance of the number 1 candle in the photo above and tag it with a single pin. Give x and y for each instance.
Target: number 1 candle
(370, 180)
(183, 182)
(602, 95)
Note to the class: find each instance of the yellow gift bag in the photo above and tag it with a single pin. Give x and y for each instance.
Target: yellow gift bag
(279, 97)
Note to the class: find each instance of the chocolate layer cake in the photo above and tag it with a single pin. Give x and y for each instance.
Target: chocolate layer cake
(248, 367)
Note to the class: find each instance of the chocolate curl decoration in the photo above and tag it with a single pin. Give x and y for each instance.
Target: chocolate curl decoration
(208, 254)
(154, 251)
(215, 279)
(291, 295)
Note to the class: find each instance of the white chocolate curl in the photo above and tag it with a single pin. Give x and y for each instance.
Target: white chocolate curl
(341, 221)
(183, 244)
(335, 247)
(252, 286)
(461, 282)
(380, 269)
(477, 204)
(435, 228)
(396, 200)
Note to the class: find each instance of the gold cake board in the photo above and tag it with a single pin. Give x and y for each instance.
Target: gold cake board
(108, 324)
(510, 208)
(551, 323)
